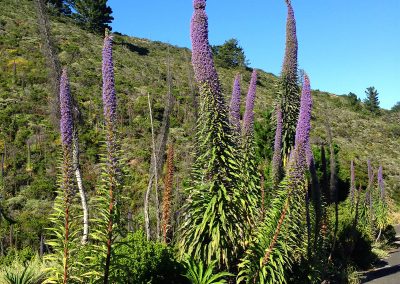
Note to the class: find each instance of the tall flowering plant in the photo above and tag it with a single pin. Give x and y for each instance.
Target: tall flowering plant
(277, 170)
(289, 89)
(234, 106)
(248, 117)
(63, 233)
(249, 166)
(280, 236)
(216, 214)
(105, 218)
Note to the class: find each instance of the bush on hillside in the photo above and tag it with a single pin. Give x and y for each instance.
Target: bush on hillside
(137, 260)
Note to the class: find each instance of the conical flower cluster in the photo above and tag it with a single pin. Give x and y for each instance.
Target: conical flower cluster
(289, 69)
(248, 117)
(66, 121)
(202, 58)
(109, 98)
(277, 157)
(234, 107)
(304, 122)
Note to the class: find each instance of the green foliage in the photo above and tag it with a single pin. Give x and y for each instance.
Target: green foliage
(229, 55)
(217, 213)
(13, 255)
(264, 133)
(59, 243)
(21, 272)
(268, 239)
(289, 95)
(250, 174)
(64, 229)
(111, 177)
(372, 100)
(280, 239)
(353, 250)
(60, 6)
(354, 101)
(396, 107)
(140, 261)
(95, 15)
(24, 118)
(198, 273)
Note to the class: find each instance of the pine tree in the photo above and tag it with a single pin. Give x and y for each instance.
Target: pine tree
(396, 107)
(372, 101)
(60, 6)
(95, 15)
(230, 54)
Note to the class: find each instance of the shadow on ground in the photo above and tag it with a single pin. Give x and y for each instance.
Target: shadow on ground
(382, 272)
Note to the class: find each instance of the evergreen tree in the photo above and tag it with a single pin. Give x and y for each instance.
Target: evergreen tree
(353, 99)
(372, 101)
(396, 107)
(229, 55)
(59, 6)
(95, 15)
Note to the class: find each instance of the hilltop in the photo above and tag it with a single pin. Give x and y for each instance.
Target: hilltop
(30, 143)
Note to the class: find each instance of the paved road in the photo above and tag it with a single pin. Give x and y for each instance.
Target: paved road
(389, 274)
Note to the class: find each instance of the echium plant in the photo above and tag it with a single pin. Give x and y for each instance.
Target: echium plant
(277, 170)
(249, 167)
(234, 107)
(279, 238)
(106, 216)
(268, 256)
(215, 215)
(290, 92)
(302, 138)
(248, 117)
(64, 230)
(365, 216)
(369, 195)
(305, 115)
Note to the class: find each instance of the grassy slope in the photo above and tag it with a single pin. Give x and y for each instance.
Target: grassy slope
(140, 68)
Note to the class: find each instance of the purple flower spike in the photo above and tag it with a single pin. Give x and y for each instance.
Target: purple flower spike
(199, 4)
(381, 183)
(309, 154)
(297, 165)
(248, 118)
(277, 158)
(304, 122)
(202, 59)
(234, 109)
(109, 98)
(289, 69)
(66, 122)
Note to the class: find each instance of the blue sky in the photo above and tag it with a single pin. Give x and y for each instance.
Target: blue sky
(344, 45)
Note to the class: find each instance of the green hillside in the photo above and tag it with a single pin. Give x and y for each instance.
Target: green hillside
(29, 143)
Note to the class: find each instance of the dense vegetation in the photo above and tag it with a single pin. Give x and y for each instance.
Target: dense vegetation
(250, 217)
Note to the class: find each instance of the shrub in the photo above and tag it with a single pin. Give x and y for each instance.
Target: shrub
(140, 261)
(198, 273)
(23, 272)
(23, 255)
